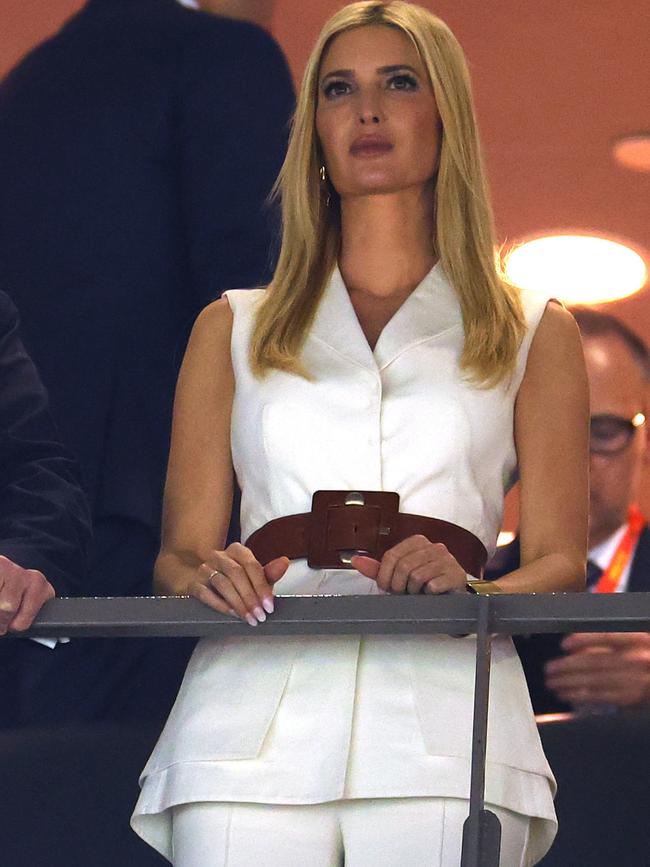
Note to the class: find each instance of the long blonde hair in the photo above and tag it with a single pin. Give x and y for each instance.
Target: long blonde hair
(464, 240)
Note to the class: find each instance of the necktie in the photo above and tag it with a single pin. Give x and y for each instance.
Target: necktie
(593, 574)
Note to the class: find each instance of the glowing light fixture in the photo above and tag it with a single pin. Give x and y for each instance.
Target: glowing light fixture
(577, 269)
(633, 152)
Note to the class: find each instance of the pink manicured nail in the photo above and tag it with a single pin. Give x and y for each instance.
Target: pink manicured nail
(267, 602)
(261, 616)
(251, 620)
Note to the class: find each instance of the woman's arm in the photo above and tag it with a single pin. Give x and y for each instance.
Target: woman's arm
(199, 485)
(552, 440)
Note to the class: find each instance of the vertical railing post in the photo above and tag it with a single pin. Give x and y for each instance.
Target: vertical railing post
(482, 829)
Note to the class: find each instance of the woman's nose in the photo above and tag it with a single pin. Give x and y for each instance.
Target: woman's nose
(369, 117)
(369, 108)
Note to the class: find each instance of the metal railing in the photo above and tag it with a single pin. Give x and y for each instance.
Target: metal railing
(483, 616)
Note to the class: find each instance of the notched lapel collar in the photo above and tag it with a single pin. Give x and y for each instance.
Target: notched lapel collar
(429, 310)
(336, 324)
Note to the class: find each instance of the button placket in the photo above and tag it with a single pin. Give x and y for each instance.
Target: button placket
(374, 433)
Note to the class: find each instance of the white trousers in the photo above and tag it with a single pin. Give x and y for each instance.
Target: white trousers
(382, 832)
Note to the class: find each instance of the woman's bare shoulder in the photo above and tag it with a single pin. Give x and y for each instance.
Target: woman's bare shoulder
(212, 329)
(557, 338)
(217, 317)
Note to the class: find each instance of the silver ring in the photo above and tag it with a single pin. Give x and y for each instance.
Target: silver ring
(213, 573)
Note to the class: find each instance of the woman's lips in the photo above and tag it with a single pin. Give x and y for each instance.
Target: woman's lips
(370, 146)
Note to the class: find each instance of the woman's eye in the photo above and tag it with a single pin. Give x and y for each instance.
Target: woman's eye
(402, 82)
(336, 88)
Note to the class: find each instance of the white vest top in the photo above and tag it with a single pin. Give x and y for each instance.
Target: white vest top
(308, 720)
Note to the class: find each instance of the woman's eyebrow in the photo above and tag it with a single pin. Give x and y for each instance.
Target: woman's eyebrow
(338, 73)
(386, 70)
(382, 70)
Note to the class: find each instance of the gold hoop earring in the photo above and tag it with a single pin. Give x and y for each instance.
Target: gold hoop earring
(323, 178)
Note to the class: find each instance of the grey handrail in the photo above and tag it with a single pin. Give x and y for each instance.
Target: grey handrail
(371, 615)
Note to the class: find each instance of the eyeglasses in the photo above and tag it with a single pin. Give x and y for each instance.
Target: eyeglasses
(611, 434)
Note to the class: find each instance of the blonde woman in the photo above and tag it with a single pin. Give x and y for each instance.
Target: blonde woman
(387, 355)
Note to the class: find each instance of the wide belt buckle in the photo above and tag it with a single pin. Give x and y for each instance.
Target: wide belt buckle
(346, 523)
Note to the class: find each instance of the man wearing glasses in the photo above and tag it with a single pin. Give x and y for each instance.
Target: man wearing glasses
(602, 669)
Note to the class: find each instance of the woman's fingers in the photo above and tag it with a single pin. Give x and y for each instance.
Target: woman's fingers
(220, 584)
(241, 582)
(234, 582)
(366, 565)
(414, 569)
(275, 569)
(413, 566)
(208, 597)
(449, 582)
(250, 581)
(422, 575)
(397, 562)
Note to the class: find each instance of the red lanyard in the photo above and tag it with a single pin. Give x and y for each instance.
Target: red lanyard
(611, 578)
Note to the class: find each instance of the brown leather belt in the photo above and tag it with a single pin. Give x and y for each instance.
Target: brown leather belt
(344, 523)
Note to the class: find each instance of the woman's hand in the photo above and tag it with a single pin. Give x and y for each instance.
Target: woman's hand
(234, 582)
(415, 565)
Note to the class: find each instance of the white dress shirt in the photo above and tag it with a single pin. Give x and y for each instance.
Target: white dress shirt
(603, 553)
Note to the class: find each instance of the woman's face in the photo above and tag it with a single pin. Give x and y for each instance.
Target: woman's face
(376, 118)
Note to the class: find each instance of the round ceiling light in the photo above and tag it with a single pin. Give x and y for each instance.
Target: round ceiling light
(633, 152)
(577, 269)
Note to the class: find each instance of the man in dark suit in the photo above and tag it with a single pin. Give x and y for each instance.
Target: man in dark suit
(137, 150)
(606, 669)
(44, 525)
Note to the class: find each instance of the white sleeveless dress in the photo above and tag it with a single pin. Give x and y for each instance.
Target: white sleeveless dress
(303, 720)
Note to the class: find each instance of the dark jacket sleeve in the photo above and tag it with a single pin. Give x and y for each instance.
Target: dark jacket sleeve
(235, 102)
(44, 519)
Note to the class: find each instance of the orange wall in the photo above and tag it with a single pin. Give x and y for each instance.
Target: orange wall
(27, 22)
